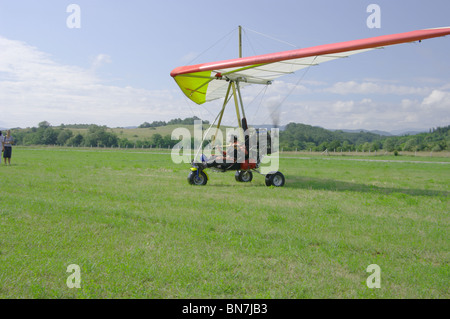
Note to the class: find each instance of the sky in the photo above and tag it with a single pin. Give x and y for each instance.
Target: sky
(108, 62)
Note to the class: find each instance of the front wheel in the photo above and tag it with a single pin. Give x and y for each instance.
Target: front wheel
(276, 179)
(197, 178)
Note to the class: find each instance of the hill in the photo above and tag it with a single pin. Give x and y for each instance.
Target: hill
(306, 137)
(367, 131)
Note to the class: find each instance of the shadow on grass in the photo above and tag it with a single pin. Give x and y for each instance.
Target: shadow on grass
(334, 185)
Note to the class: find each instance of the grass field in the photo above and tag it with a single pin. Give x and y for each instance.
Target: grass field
(136, 229)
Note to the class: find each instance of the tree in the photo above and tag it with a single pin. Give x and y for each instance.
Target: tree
(389, 144)
(322, 147)
(410, 145)
(376, 145)
(44, 124)
(144, 125)
(334, 145)
(366, 147)
(346, 146)
(157, 140)
(63, 137)
(76, 140)
(49, 136)
(98, 136)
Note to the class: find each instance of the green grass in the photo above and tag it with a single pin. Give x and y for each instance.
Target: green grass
(136, 228)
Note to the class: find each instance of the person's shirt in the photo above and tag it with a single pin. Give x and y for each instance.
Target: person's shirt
(8, 141)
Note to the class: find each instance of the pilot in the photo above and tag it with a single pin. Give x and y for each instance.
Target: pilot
(228, 158)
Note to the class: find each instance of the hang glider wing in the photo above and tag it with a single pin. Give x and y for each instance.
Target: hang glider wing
(208, 81)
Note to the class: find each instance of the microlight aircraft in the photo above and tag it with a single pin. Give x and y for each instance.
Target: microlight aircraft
(205, 82)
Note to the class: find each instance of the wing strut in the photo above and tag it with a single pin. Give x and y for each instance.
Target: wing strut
(225, 102)
(236, 103)
(239, 105)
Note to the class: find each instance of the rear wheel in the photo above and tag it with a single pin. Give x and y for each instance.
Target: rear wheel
(243, 176)
(276, 179)
(197, 178)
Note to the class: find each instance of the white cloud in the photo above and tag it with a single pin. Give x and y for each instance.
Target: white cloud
(100, 60)
(372, 87)
(408, 105)
(370, 114)
(438, 99)
(343, 106)
(33, 88)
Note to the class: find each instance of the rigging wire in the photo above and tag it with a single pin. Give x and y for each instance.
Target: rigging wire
(273, 38)
(292, 89)
(213, 45)
(263, 92)
(248, 41)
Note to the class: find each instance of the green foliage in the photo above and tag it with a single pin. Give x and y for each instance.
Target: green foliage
(186, 121)
(389, 144)
(63, 137)
(306, 137)
(91, 136)
(98, 136)
(76, 140)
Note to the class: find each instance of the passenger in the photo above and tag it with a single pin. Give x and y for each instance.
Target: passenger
(229, 157)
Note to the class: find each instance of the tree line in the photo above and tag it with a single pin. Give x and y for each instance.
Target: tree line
(306, 137)
(294, 137)
(177, 121)
(95, 136)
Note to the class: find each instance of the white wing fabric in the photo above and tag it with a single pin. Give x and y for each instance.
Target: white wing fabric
(208, 81)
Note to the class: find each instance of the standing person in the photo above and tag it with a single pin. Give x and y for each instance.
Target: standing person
(8, 141)
(1, 141)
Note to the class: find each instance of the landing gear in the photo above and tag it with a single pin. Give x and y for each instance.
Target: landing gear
(199, 178)
(276, 179)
